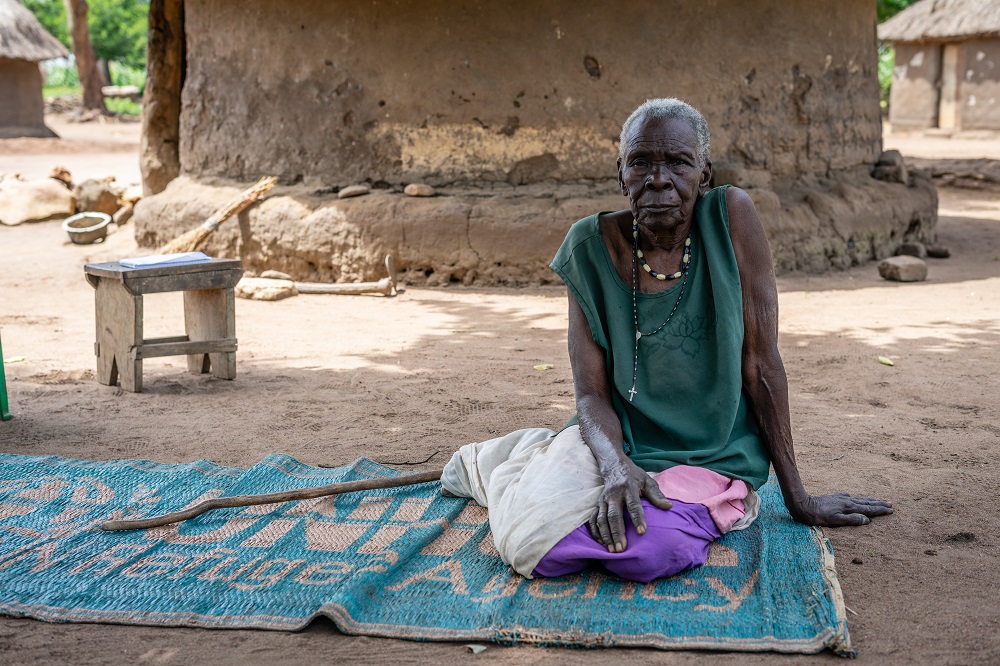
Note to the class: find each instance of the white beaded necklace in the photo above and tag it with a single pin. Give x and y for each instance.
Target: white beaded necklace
(685, 267)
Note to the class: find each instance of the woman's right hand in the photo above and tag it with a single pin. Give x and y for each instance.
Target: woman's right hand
(625, 484)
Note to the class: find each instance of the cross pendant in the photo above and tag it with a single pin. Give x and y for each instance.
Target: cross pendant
(631, 393)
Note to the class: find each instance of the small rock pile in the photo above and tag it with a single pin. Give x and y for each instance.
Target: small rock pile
(411, 190)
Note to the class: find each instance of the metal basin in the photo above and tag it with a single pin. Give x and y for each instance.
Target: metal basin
(87, 228)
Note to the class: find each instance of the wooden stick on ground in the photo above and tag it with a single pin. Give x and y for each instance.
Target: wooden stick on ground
(386, 285)
(271, 498)
(193, 240)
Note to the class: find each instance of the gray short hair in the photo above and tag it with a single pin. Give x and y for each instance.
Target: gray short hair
(667, 108)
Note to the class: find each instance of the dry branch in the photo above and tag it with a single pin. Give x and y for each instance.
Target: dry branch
(193, 240)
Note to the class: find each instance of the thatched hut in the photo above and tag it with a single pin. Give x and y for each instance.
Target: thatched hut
(947, 72)
(23, 44)
(512, 112)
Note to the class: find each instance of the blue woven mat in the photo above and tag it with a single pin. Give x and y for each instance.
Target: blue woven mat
(403, 563)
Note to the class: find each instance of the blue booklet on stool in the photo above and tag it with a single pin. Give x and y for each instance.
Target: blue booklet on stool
(166, 260)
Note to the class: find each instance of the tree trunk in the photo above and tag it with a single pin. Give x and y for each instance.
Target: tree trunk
(86, 61)
(161, 102)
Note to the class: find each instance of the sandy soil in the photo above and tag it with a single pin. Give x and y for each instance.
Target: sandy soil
(328, 379)
(932, 144)
(96, 149)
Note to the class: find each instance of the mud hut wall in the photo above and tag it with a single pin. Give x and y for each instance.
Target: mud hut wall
(979, 84)
(331, 92)
(21, 103)
(913, 100)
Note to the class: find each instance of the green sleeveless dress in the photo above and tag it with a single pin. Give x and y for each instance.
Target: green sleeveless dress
(690, 407)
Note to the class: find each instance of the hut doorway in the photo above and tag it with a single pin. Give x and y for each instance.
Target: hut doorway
(948, 101)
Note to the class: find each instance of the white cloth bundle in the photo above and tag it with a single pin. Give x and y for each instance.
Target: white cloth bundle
(539, 487)
(532, 506)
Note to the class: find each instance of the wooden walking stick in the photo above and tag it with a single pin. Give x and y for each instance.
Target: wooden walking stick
(194, 239)
(271, 498)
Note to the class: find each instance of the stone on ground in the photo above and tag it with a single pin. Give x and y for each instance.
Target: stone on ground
(33, 200)
(938, 252)
(265, 289)
(418, 190)
(98, 195)
(903, 269)
(353, 191)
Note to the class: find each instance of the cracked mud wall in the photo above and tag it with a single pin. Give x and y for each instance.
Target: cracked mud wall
(513, 113)
(332, 92)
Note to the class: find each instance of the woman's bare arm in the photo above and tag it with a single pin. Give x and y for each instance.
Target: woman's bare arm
(764, 378)
(624, 482)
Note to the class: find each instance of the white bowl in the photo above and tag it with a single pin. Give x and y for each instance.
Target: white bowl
(87, 228)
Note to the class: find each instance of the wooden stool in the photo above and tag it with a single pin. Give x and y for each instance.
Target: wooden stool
(209, 318)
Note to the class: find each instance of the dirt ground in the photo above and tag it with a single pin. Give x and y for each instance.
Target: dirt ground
(328, 379)
(96, 149)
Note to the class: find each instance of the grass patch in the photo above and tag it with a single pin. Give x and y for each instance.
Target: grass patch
(48, 92)
(122, 106)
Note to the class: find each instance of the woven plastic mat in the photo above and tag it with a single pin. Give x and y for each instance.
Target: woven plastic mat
(402, 563)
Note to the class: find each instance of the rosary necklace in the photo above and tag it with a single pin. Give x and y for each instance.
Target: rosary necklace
(637, 255)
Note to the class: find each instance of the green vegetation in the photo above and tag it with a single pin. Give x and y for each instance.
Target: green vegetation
(62, 80)
(122, 107)
(118, 34)
(48, 92)
(59, 74)
(52, 15)
(118, 31)
(886, 61)
(889, 8)
(126, 75)
(117, 27)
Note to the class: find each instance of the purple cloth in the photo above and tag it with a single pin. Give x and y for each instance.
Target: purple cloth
(674, 541)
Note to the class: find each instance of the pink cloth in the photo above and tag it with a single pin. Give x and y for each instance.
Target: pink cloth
(722, 496)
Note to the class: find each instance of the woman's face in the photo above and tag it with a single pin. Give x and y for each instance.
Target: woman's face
(660, 172)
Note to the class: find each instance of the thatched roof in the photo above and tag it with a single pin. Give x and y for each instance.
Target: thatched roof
(22, 37)
(943, 20)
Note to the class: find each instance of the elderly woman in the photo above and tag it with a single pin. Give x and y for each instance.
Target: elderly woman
(682, 399)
